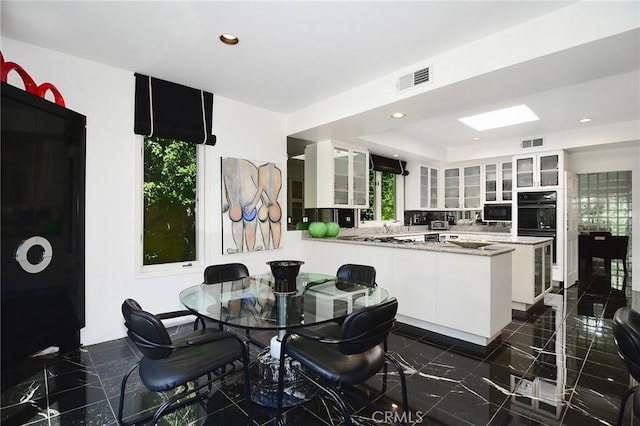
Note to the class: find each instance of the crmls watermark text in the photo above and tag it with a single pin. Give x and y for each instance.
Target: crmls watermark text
(394, 417)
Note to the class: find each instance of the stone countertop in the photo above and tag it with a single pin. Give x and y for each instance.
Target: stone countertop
(502, 238)
(490, 250)
(488, 233)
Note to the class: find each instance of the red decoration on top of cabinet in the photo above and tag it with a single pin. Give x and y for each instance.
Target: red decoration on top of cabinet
(30, 85)
(42, 90)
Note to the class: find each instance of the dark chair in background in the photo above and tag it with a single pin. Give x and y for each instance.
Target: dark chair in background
(626, 331)
(173, 365)
(350, 273)
(362, 274)
(347, 274)
(603, 245)
(215, 274)
(618, 247)
(351, 359)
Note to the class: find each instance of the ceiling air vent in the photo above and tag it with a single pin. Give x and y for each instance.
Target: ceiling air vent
(415, 78)
(532, 143)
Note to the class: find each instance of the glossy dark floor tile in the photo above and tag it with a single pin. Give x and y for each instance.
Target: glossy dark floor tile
(555, 365)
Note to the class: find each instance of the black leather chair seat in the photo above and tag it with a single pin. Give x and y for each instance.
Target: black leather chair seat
(167, 373)
(199, 358)
(329, 363)
(356, 355)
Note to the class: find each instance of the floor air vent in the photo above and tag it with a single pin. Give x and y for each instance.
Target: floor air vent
(414, 79)
(532, 143)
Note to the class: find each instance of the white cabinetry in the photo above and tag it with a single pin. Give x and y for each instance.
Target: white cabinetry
(463, 187)
(498, 182)
(542, 170)
(452, 188)
(472, 187)
(415, 292)
(531, 274)
(433, 291)
(336, 175)
(433, 188)
(421, 187)
(570, 228)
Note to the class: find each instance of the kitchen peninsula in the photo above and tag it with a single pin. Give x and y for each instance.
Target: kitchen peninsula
(459, 292)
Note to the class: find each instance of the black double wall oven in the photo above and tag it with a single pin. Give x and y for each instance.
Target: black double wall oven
(537, 215)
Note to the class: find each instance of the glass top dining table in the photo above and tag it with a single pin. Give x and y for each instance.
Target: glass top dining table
(253, 303)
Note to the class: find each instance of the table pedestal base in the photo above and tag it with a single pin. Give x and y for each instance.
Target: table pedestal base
(264, 389)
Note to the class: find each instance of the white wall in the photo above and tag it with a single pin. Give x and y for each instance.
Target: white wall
(105, 95)
(610, 160)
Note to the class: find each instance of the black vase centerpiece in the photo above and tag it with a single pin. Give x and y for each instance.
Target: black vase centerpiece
(285, 273)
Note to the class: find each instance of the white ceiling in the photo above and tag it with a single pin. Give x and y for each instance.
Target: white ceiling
(294, 54)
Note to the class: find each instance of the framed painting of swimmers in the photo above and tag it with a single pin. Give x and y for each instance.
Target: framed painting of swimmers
(251, 205)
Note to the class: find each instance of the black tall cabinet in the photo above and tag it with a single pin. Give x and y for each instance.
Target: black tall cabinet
(43, 187)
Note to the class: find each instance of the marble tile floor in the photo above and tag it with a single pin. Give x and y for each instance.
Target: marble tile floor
(559, 366)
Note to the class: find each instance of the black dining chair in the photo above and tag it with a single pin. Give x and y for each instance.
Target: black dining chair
(349, 360)
(346, 275)
(361, 274)
(626, 332)
(214, 274)
(618, 247)
(609, 247)
(351, 273)
(226, 272)
(186, 365)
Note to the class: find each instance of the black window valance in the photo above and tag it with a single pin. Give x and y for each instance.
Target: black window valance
(383, 164)
(173, 111)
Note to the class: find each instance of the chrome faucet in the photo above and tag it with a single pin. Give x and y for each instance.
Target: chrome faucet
(388, 229)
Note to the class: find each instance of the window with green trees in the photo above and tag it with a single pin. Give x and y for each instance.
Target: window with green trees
(169, 225)
(382, 197)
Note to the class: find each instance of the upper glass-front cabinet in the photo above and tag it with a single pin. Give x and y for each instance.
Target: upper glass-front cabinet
(433, 188)
(452, 188)
(359, 178)
(341, 176)
(539, 170)
(498, 178)
(463, 187)
(506, 178)
(472, 187)
(421, 187)
(335, 175)
(491, 182)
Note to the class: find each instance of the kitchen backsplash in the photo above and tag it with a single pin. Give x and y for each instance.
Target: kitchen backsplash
(421, 217)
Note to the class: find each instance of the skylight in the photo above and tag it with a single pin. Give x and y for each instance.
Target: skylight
(500, 118)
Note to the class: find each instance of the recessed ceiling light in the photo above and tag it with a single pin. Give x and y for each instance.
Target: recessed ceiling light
(477, 138)
(397, 115)
(585, 120)
(229, 39)
(500, 118)
(395, 156)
